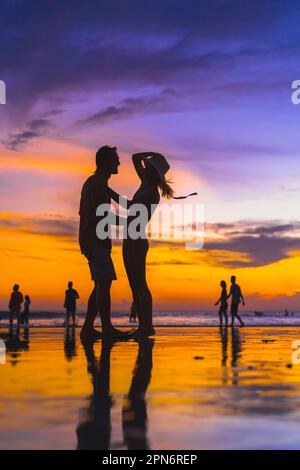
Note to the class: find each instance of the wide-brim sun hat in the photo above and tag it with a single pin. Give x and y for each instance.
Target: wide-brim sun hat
(160, 164)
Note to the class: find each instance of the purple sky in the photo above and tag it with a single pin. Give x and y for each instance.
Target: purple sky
(206, 83)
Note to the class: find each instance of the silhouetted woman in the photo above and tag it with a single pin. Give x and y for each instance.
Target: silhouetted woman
(151, 169)
(223, 304)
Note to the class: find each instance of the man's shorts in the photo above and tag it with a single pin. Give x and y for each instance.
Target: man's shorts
(234, 309)
(102, 266)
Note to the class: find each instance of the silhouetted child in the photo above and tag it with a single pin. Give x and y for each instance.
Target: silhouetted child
(15, 302)
(26, 312)
(70, 303)
(223, 304)
(133, 313)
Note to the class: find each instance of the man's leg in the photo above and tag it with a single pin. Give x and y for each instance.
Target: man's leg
(103, 301)
(104, 308)
(73, 316)
(233, 309)
(92, 310)
(67, 318)
(238, 317)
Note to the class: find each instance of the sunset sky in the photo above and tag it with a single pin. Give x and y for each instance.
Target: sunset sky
(208, 84)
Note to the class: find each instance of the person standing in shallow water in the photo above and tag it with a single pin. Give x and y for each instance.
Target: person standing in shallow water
(98, 251)
(236, 298)
(26, 312)
(133, 314)
(15, 302)
(223, 304)
(71, 297)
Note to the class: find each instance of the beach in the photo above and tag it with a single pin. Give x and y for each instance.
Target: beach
(186, 388)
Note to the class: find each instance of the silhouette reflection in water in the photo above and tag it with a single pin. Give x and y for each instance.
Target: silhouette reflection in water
(134, 413)
(94, 432)
(70, 344)
(15, 342)
(236, 349)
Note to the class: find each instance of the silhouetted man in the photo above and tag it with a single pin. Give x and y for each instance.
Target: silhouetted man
(98, 251)
(15, 302)
(236, 297)
(71, 297)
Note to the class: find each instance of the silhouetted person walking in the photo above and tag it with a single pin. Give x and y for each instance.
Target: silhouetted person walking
(98, 251)
(15, 302)
(236, 298)
(26, 311)
(223, 304)
(71, 297)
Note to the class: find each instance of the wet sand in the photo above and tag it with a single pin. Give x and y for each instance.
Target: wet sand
(188, 388)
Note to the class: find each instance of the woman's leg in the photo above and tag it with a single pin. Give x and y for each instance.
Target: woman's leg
(128, 258)
(220, 316)
(225, 315)
(135, 255)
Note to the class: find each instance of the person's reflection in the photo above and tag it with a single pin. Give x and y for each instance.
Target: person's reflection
(94, 432)
(224, 342)
(236, 349)
(70, 343)
(134, 413)
(16, 342)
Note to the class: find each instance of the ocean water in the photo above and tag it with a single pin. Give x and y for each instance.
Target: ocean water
(166, 318)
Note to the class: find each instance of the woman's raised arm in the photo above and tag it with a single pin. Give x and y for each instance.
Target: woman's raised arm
(137, 159)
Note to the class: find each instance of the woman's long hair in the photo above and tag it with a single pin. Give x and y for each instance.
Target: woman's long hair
(166, 190)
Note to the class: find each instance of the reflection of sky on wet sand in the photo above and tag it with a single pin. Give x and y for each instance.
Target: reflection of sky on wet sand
(188, 388)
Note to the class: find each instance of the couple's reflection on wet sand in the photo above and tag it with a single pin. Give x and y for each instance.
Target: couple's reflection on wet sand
(94, 431)
(16, 340)
(236, 350)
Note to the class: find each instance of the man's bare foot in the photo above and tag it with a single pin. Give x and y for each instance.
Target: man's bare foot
(90, 333)
(144, 332)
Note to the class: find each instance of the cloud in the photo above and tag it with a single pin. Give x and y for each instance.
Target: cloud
(107, 47)
(131, 107)
(35, 128)
(257, 244)
(52, 226)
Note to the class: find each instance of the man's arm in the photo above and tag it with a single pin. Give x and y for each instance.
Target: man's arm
(242, 297)
(230, 293)
(121, 200)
